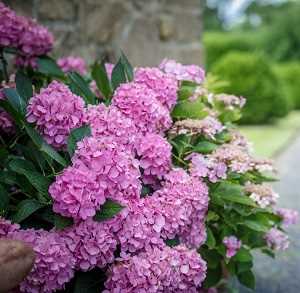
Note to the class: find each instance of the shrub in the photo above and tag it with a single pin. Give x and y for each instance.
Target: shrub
(141, 186)
(250, 75)
(288, 74)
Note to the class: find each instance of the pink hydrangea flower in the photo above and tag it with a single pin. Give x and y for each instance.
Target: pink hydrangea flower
(11, 27)
(116, 170)
(232, 245)
(54, 263)
(72, 63)
(138, 102)
(109, 121)
(163, 84)
(77, 193)
(204, 168)
(92, 244)
(158, 270)
(7, 227)
(182, 72)
(289, 216)
(56, 111)
(277, 239)
(155, 154)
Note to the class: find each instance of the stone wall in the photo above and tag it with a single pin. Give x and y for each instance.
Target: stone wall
(146, 30)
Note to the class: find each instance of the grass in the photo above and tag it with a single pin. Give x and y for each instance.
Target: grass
(269, 139)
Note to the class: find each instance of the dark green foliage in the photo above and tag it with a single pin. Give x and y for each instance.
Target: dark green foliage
(250, 75)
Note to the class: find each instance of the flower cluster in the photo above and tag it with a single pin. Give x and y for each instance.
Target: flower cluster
(54, 263)
(230, 101)
(289, 217)
(164, 85)
(277, 240)
(182, 72)
(72, 63)
(207, 127)
(140, 103)
(25, 35)
(262, 194)
(56, 111)
(232, 245)
(6, 227)
(158, 270)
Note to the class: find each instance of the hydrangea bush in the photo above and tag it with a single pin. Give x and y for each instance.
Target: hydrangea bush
(127, 179)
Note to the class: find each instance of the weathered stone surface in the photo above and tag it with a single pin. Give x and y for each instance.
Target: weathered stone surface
(56, 10)
(166, 27)
(21, 6)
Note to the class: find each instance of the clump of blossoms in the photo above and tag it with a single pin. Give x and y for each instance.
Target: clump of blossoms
(138, 185)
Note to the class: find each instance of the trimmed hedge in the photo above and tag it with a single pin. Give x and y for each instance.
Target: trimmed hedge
(289, 74)
(251, 75)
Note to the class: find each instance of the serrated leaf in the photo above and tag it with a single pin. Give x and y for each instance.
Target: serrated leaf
(43, 146)
(24, 86)
(108, 210)
(77, 135)
(15, 100)
(25, 209)
(189, 109)
(118, 75)
(99, 74)
(82, 87)
(247, 279)
(61, 222)
(4, 200)
(48, 66)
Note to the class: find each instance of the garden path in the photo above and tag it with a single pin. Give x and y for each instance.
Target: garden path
(283, 273)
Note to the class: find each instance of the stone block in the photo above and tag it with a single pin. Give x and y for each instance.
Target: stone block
(56, 10)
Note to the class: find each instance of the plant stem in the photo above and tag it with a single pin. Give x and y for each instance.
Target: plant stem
(4, 65)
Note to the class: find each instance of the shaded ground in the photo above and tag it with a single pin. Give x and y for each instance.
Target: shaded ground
(283, 273)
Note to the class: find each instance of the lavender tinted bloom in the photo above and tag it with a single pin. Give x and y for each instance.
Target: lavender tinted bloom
(72, 63)
(7, 227)
(277, 239)
(232, 245)
(289, 216)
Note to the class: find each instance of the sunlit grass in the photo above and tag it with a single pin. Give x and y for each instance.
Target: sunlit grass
(268, 140)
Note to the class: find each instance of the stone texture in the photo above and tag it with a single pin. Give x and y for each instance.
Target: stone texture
(146, 30)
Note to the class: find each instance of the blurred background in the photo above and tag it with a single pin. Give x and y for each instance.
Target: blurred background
(248, 47)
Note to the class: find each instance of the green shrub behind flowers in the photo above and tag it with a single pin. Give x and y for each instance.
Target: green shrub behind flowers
(141, 182)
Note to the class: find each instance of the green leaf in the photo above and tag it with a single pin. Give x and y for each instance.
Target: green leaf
(25, 209)
(186, 90)
(128, 69)
(212, 257)
(256, 226)
(61, 222)
(48, 66)
(205, 147)
(243, 255)
(172, 242)
(15, 100)
(8, 177)
(212, 216)
(4, 200)
(99, 74)
(247, 279)
(213, 277)
(43, 146)
(18, 117)
(108, 210)
(38, 181)
(77, 135)
(244, 266)
(82, 87)
(189, 109)
(24, 85)
(118, 75)
(210, 240)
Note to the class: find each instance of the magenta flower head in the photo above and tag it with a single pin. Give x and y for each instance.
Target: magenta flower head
(117, 172)
(154, 152)
(7, 227)
(77, 193)
(92, 244)
(54, 263)
(141, 104)
(232, 245)
(72, 63)
(109, 121)
(56, 111)
(289, 216)
(164, 85)
(277, 239)
(161, 269)
(11, 27)
(182, 72)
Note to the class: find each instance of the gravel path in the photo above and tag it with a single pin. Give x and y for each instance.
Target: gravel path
(282, 275)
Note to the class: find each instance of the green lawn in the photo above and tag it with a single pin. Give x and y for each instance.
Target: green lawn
(268, 140)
